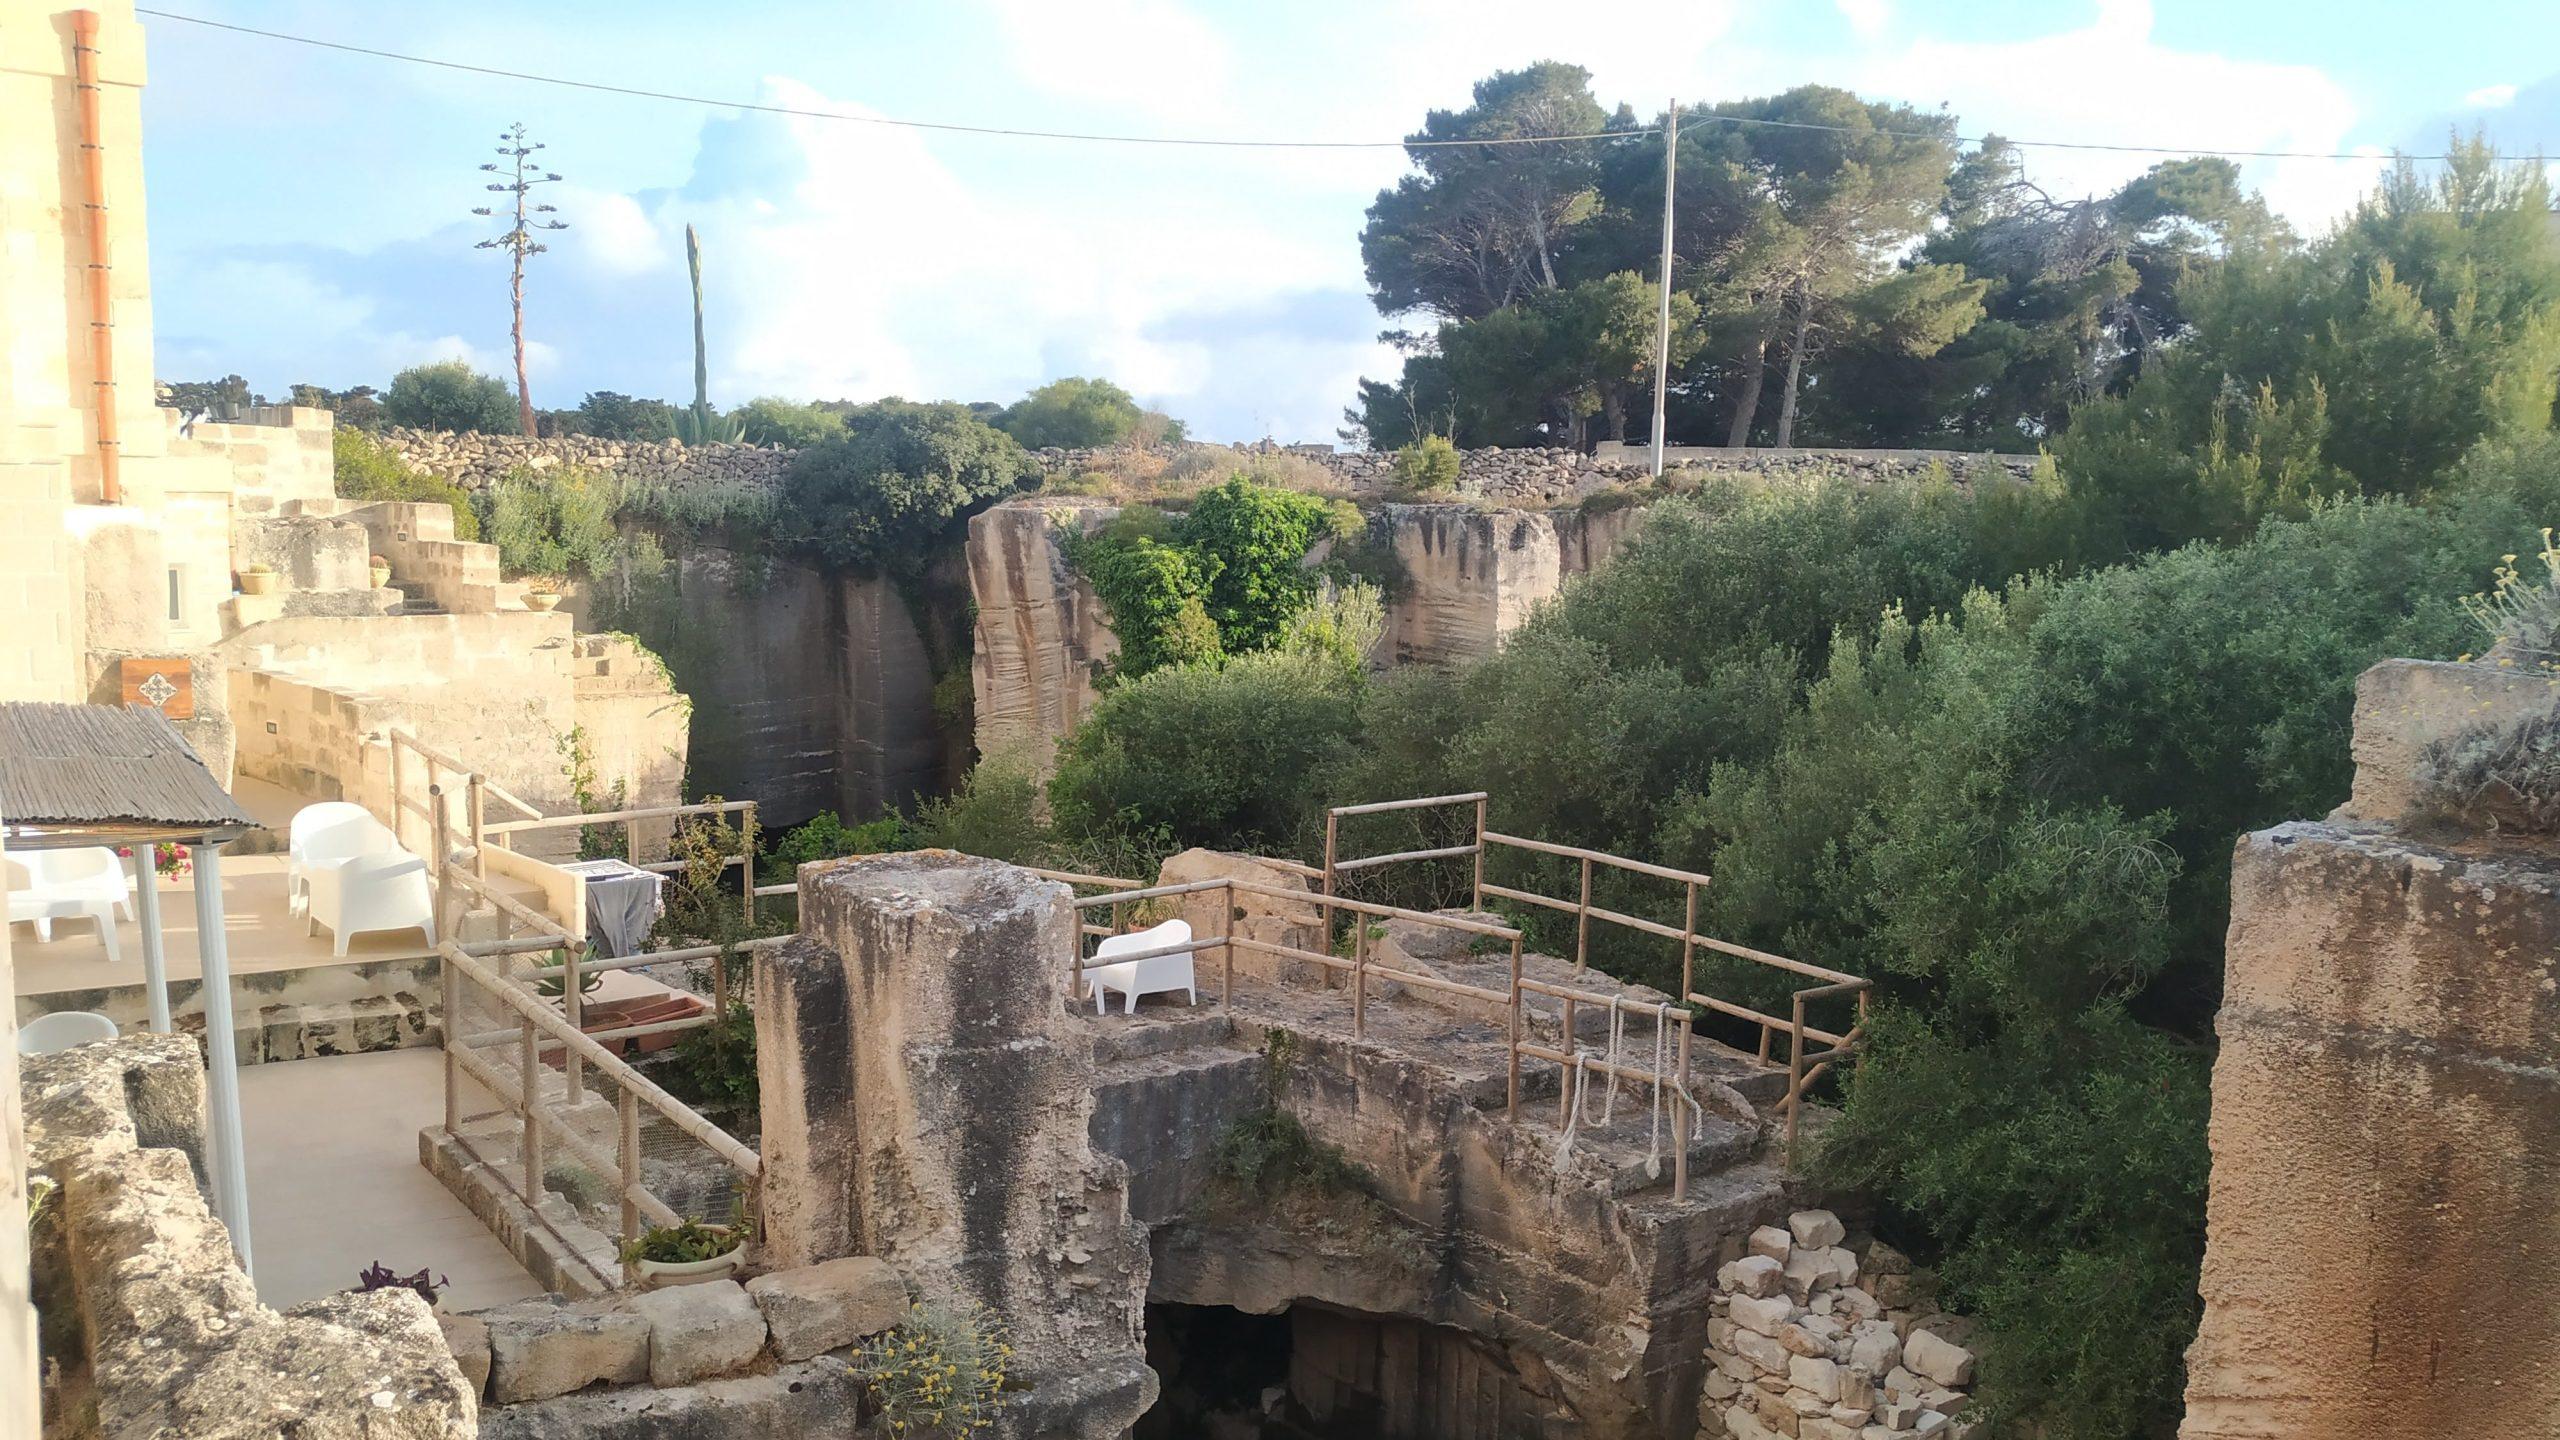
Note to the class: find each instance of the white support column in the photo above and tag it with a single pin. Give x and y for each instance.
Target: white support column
(146, 910)
(225, 1156)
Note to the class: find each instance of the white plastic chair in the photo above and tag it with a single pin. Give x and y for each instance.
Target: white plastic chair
(84, 884)
(63, 1029)
(1156, 975)
(326, 833)
(369, 893)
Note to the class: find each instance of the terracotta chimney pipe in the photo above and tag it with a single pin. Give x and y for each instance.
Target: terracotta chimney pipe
(102, 325)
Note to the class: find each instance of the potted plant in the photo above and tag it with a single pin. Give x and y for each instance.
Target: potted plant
(259, 578)
(380, 570)
(542, 592)
(688, 1254)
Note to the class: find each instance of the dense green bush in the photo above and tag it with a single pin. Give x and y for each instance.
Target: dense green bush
(1079, 414)
(1221, 578)
(612, 415)
(883, 498)
(1216, 755)
(366, 469)
(1428, 466)
(450, 395)
(825, 836)
(791, 424)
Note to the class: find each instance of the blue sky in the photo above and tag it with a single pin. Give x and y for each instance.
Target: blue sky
(310, 209)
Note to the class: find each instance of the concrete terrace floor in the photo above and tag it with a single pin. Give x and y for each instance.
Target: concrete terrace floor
(262, 932)
(335, 1183)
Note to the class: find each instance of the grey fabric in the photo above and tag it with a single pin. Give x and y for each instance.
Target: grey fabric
(622, 903)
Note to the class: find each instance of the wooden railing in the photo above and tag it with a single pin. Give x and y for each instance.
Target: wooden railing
(1804, 1068)
(1121, 896)
(490, 1010)
(505, 833)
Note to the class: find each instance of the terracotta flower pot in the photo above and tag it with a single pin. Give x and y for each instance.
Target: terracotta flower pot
(541, 600)
(381, 575)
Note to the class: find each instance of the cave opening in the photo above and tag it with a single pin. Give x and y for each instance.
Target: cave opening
(1315, 1372)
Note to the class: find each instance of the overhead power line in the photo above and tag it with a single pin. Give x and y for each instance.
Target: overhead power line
(1206, 142)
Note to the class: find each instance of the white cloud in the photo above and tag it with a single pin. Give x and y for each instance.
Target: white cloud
(1867, 18)
(609, 232)
(2491, 97)
(2043, 88)
(1152, 57)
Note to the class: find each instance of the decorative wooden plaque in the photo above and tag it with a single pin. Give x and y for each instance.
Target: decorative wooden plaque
(168, 684)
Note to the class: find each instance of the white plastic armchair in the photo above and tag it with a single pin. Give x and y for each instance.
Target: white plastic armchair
(84, 884)
(369, 893)
(1155, 975)
(324, 834)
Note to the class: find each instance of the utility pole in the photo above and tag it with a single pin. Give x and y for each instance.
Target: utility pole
(1662, 319)
(518, 239)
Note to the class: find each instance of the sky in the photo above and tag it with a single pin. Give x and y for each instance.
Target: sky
(310, 209)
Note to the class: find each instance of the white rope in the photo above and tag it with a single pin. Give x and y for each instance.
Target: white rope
(1666, 1085)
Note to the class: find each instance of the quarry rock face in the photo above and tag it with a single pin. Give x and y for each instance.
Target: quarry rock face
(1468, 577)
(1040, 632)
(2385, 1205)
(927, 1101)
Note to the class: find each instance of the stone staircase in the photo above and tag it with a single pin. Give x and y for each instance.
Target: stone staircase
(436, 573)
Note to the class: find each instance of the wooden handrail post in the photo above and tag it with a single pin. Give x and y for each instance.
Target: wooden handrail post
(1332, 834)
(1511, 1106)
(1573, 1049)
(451, 983)
(528, 1093)
(631, 840)
(399, 796)
(1688, 983)
(1684, 1121)
(573, 1008)
(1582, 921)
(1477, 905)
(1226, 946)
(1795, 1079)
(1359, 976)
(747, 864)
(720, 982)
(627, 1151)
(438, 849)
(479, 793)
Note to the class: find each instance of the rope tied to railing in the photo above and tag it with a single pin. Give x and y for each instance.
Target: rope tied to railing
(1666, 1087)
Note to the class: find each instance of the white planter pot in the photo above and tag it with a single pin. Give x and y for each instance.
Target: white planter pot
(665, 1274)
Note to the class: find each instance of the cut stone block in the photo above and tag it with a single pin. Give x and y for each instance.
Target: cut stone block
(697, 1332)
(1772, 1242)
(817, 1308)
(1816, 1229)
(548, 1346)
(1937, 1359)
(1766, 1315)
(468, 1338)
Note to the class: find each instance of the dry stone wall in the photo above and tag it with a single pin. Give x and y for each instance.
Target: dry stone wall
(1819, 1335)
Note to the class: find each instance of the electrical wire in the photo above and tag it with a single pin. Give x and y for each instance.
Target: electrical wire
(1205, 142)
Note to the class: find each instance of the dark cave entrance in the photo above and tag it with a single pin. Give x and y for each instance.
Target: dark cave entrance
(1313, 1372)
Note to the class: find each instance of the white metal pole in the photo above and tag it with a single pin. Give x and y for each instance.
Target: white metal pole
(1662, 323)
(146, 911)
(227, 1158)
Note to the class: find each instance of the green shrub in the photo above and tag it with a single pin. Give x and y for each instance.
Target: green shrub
(1428, 466)
(1223, 578)
(825, 836)
(791, 424)
(1076, 414)
(1217, 755)
(367, 469)
(553, 522)
(450, 395)
(938, 1374)
(887, 496)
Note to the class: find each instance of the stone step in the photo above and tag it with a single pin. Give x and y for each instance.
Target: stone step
(1121, 1037)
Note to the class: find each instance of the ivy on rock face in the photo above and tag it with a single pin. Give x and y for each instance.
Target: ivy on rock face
(1220, 580)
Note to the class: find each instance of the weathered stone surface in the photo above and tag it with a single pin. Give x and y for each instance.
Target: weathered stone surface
(1874, 1347)
(1773, 1242)
(1270, 919)
(1818, 1378)
(1936, 1360)
(822, 1307)
(2409, 711)
(1766, 1316)
(467, 1337)
(697, 1332)
(2385, 1136)
(921, 1021)
(813, 1398)
(544, 1347)
(176, 1339)
(1757, 1275)
(1816, 1229)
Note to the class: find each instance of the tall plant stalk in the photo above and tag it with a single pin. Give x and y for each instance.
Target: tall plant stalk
(525, 218)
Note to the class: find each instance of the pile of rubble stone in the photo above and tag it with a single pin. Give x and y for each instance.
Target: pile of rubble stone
(1817, 1337)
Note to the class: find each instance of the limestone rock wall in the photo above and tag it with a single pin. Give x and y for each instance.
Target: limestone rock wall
(1040, 629)
(811, 692)
(2385, 1202)
(926, 1099)
(1468, 578)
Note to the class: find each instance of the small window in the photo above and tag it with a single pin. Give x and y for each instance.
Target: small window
(177, 594)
